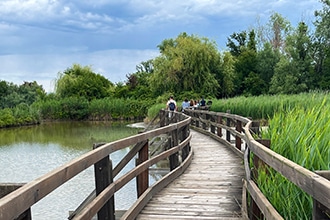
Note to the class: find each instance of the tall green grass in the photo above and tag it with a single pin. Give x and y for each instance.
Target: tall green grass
(265, 106)
(301, 135)
(153, 111)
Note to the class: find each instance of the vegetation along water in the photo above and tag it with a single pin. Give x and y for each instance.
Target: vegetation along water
(31, 151)
(275, 72)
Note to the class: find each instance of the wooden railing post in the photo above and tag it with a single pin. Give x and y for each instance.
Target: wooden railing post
(142, 180)
(103, 178)
(196, 115)
(5, 189)
(228, 125)
(162, 117)
(212, 118)
(238, 141)
(219, 129)
(320, 212)
(204, 125)
(174, 158)
(256, 127)
(255, 213)
(186, 149)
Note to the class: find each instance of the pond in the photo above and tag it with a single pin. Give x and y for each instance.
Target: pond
(27, 153)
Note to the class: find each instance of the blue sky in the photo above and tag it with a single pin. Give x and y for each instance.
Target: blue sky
(40, 38)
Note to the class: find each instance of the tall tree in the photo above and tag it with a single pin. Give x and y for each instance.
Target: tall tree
(245, 53)
(275, 32)
(237, 42)
(294, 72)
(186, 64)
(267, 58)
(321, 45)
(226, 79)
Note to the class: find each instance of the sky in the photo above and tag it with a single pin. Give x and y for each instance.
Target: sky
(41, 38)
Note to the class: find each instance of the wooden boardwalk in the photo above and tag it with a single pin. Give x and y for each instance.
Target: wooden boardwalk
(210, 188)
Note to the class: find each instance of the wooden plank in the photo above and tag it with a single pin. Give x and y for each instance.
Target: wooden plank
(211, 188)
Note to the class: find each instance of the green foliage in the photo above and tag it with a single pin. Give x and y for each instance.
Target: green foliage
(137, 86)
(153, 111)
(79, 108)
(226, 79)
(265, 106)
(267, 58)
(301, 135)
(186, 63)
(237, 42)
(6, 117)
(293, 74)
(12, 95)
(19, 115)
(70, 108)
(79, 81)
(321, 47)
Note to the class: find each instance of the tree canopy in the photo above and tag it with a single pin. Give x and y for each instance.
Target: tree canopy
(78, 81)
(187, 63)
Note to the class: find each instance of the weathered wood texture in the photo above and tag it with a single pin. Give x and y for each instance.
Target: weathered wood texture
(210, 188)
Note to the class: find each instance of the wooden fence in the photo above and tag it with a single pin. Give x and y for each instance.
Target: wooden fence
(239, 136)
(176, 131)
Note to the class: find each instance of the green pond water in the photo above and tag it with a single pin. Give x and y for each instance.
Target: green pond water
(27, 153)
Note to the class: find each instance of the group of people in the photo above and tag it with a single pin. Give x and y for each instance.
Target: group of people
(192, 104)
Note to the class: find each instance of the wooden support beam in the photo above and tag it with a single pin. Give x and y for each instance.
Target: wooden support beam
(321, 212)
(142, 180)
(5, 189)
(103, 178)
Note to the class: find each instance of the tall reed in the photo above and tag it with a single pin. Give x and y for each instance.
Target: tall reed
(301, 135)
(265, 106)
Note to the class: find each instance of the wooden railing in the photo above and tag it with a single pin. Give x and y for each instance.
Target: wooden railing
(239, 132)
(177, 151)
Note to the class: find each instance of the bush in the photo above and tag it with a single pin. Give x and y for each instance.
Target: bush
(6, 117)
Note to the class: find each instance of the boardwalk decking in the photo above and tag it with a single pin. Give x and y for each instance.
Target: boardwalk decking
(210, 188)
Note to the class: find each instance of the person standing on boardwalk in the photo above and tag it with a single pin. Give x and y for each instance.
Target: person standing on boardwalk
(171, 104)
(185, 104)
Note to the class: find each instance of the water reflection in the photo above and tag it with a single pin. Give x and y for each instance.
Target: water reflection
(30, 152)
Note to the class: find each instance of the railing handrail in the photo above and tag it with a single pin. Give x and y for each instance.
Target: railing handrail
(15, 203)
(313, 184)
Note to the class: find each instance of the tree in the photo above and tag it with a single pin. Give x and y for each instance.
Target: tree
(226, 78)
(245, 64)
(321, 45)
(79, 81)
(12, 95)
(236, 42)
(138, 82)
(267, 58)
(275, 32)
(186, 63)
(294, 72)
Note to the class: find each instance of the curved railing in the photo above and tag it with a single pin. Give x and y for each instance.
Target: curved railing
(240, 130)
(177, 150)
(232, 130)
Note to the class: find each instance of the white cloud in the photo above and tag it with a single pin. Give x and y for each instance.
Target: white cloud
(113, 64)
(42, 37)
